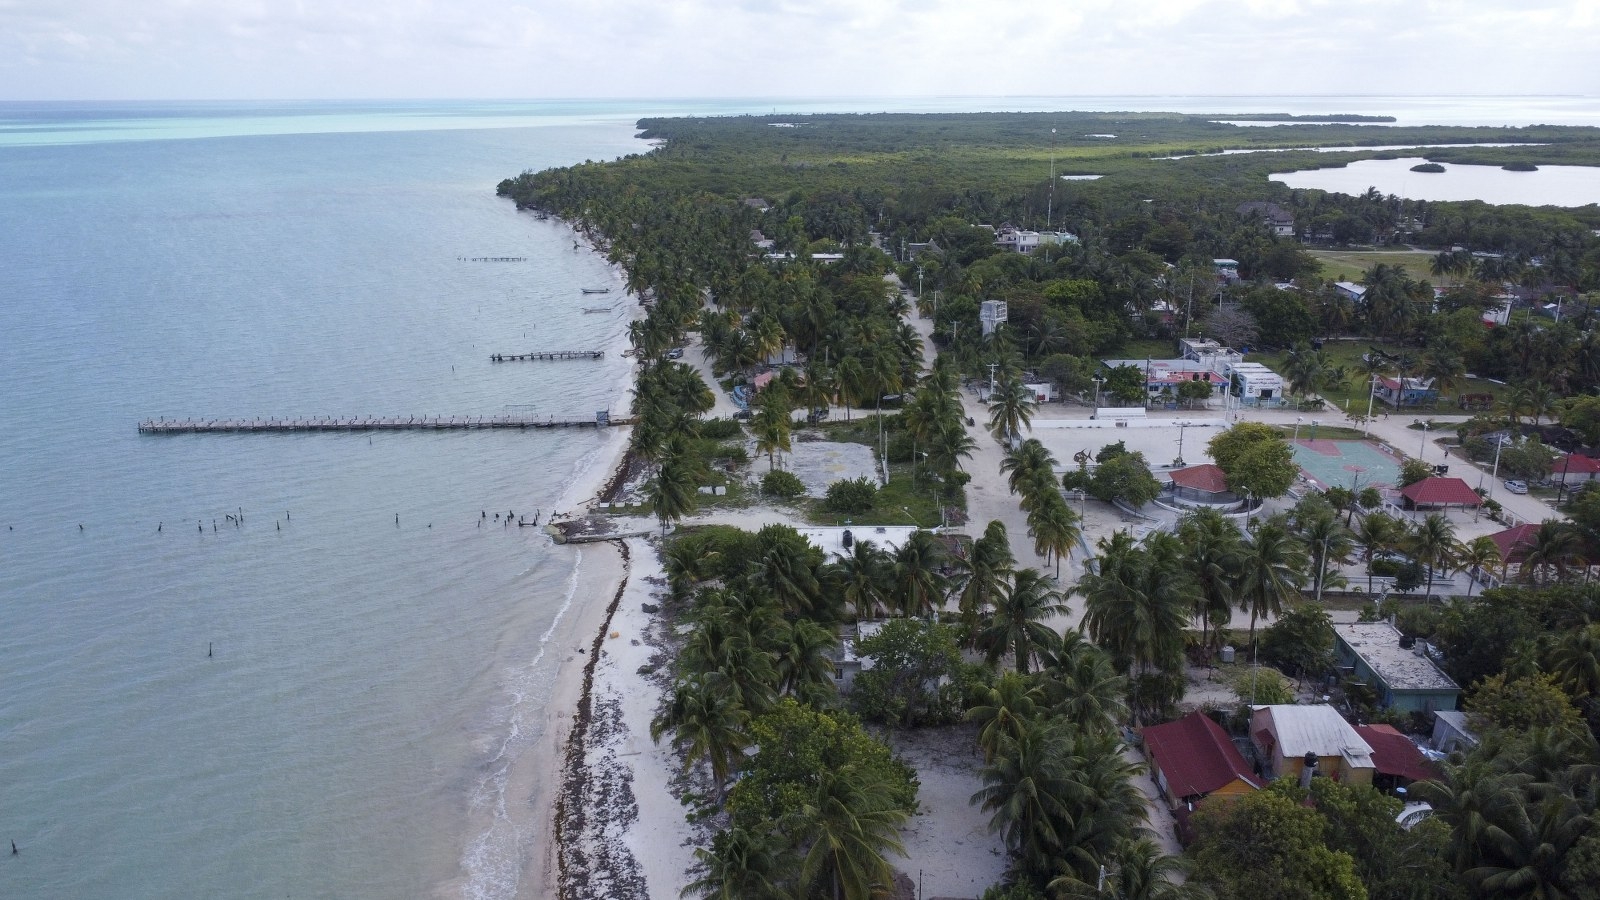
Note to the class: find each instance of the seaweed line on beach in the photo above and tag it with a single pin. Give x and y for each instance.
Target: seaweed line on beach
(571, 814)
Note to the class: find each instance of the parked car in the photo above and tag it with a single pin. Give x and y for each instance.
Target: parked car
(675, 353)
(1517, 487)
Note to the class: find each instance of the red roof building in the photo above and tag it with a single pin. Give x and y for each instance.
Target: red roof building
(1394, 757)
(1440, 492)
(1206, 478)
(1572, 469)
(1193, 758)
(1514, 543)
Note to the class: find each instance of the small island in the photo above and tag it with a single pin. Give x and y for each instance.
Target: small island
(1430, 167)
(1520, 167)
(1285, 117)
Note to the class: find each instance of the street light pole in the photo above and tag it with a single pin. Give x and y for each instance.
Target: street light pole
(1423, 447)
(1098, 380)
(1181, 427)
(1297, 421)
(1372, 391)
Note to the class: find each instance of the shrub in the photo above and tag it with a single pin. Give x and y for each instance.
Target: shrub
(853, 496)
(720, 429)
(778, 483)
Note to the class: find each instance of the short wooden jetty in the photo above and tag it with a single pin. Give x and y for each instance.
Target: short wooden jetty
(547, 354)
(368, 423)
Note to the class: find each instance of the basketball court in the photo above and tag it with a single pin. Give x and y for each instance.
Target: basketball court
(1346, 464)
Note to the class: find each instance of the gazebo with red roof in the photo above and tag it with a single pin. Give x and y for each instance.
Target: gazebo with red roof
(1193, 758)
(1202, 484)
(1438, 492)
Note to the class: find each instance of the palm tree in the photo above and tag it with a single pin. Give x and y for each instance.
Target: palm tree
(848, 824)
(1215, 553)
(1025, 463)
(1330, 543)
(1136, 606)
(805, 659)
(1081, 684)
(788, 573)
(1555, 546)
(1575, 661)
(703, 718)
(1135, 870)
(1379, 532)
(670, 493)
(1477, 557)
(863, 578)
(917, 585)
(982, 575)
(1004, 712)
(1272, 574)
(772, 425)
(1054, 527)
(741, 865)
(1018, 620)
(1010, 411)
(1024, 787)
(1525, 845)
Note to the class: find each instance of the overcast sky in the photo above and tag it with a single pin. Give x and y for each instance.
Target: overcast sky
(249, 49)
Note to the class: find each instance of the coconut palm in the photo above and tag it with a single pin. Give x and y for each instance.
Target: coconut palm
(1329, 542)
(1554, 547)
(1017, 623)
(982, 575)
(1081, 684)
(1136, 606)
(740, 865)
(1575, 662)
(1054, 526)
(848, 824)
(1272, 573)
(1025, 788)
(1025, 463)
(1378, 532)
(1010, 411)
(1004, 711)
(1215, 554)
(1477, 557)
(708, 723)
(863, 577)
(788, 574)
(1137, 869)
(670, 492)
(805, 659)
(917, 587)
(772, 425)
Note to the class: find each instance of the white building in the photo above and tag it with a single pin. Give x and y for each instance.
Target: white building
(1254, 383)
(991, 313)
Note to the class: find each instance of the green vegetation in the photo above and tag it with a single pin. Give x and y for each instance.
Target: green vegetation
(1430, 168)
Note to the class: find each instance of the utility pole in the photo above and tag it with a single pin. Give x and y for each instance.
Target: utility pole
(1372, 391)
(1050, 204)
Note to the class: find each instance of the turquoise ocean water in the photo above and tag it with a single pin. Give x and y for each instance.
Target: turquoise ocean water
(369, 679)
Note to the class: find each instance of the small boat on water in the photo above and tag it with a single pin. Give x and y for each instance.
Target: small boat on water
(604, 290)
(597, 309)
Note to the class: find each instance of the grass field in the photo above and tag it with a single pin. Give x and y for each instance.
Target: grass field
(1347, 265)
(1348, 354)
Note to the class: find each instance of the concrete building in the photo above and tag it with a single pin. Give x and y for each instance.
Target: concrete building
(1451, 732)
(1288, 738)
(1376, 654)
(1349, 290)
(1254, 384)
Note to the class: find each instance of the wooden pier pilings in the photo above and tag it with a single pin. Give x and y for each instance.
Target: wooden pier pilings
(367, 423)
(547, 354)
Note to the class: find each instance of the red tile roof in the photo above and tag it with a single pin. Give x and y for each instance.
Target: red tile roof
(1195, 755)
(1441, 492)
(1514, 543)
(1206, 477)
(1394, 754)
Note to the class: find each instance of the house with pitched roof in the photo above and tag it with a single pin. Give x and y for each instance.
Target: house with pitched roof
(1202, 485)
(1396, 760)
(1575, 471)
(1193, 758)
(1398, 392)
(1288, 739)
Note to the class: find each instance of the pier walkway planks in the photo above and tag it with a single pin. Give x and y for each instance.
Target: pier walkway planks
(365, 423)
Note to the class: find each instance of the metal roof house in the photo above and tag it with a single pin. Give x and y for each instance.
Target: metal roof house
(1404, 678)
(1193, 759)
(1440, 492)
(1286, 738)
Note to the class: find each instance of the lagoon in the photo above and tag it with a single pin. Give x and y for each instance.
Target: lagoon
(1550, 186)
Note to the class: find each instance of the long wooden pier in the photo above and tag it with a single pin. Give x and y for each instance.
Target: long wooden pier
(547, 354)
(367, 423)
(492, 258)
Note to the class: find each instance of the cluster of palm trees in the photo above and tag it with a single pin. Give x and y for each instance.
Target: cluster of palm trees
(1029, 468)
(761, 627)
(1517, 808)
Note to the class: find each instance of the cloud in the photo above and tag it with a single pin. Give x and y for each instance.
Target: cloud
(633, 48)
